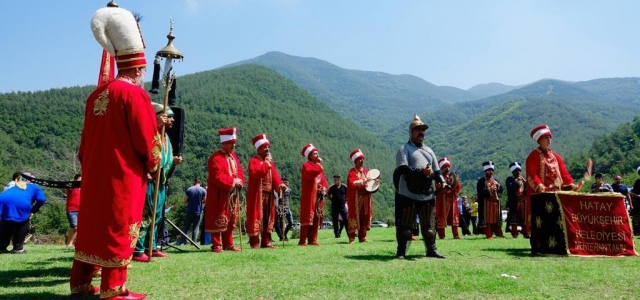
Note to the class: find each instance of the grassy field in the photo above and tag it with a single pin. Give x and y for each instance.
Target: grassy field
(336, 270)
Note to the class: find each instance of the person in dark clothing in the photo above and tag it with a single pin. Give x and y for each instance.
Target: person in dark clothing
(337, 195)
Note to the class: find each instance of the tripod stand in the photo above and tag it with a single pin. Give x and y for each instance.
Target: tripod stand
(164, 237)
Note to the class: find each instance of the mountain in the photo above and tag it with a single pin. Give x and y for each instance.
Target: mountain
(497, 128)
(490, 89)
(42, 129)
(374, 100)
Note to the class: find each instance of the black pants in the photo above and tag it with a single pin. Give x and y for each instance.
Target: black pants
(279, 225)
(474, 224)
(338, 226)
(464, 225)
(14, 232)
(406, 211)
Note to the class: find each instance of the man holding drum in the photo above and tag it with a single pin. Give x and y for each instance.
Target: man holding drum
(417, 168)
(359, 198)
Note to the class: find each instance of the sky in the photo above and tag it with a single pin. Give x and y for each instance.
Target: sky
(49, 44)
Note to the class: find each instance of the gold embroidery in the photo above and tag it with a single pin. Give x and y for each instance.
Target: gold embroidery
(222, 221)
(549, 207)
(107, 68)
(100, 104)
(559, 221)
(552, 242)
(80, 289)
(134, 233)
(156, 152)
(538, 222)
(95, 260)
(116, 291)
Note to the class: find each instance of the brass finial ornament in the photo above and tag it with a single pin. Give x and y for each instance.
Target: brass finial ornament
(169, 51)
(112, 3)
(418, 123)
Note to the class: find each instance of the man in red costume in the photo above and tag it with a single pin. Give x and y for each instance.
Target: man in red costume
(545, 169)
(489, 190)
(264, 180)
(119, 146)
(359, 201)
(447, 201)
(313, 188)
(226, 179)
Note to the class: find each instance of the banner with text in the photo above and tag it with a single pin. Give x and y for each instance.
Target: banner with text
(596, 224)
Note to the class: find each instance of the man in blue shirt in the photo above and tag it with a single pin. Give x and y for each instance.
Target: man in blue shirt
(16, 206)
(194, 197)
(619, 187)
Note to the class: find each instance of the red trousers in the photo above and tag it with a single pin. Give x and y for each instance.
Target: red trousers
(309, 232)
(495, 227)
(362, 231)
(111, 283)
(222, 239)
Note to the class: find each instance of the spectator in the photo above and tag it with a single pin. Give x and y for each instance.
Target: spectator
(17, 205)
(474, 215)
(600, 186)
(194, 197)
(73, 205)
(619, 187)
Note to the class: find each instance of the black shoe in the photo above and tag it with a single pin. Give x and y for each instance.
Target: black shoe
(434, 253)
(4, 251)
(21, 251)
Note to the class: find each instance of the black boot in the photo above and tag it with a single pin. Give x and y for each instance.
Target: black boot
(401, 238)
(430, 245)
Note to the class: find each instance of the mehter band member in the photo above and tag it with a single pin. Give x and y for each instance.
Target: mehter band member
(545, 169)
(417, 169)
(489, 213)
(313, 189)
(264, 179)
(447, 201)
(516, 200)
(359, 200)
(226, 179)
(167, 161)
(119, 146)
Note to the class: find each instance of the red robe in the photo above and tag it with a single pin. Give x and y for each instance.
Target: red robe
(119, 146)
(359, 214)
(545, 168)
(262, 178)
(312, 176)
(447, 203)
(219, 215)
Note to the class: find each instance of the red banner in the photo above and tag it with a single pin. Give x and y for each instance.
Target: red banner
(596, 224)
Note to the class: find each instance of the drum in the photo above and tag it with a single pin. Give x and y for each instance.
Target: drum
(373, 174)
(372, 186)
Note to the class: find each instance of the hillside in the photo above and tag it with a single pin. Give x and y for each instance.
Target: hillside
(490, 89)
(497, 128)
(374, 100)
(45, 127)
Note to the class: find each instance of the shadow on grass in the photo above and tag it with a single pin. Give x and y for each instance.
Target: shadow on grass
(16, 278)
(517, 252)
(372, 257)
(40, 296)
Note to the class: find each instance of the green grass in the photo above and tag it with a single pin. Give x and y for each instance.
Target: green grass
(337, 270)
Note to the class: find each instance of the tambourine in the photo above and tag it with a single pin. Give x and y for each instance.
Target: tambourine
(371, 185)
(373, 174)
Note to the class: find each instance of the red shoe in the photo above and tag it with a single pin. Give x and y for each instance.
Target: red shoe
(256, 246)
(92, 290)
(128, 295)
(141, 258)
(303, 244)
(315, 244)
(270, 246)
(159, 254)
(216, 249)
(233, 248)
(457, 238)
(490, 238)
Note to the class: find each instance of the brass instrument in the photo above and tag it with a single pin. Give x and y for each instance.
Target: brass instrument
(520, 182)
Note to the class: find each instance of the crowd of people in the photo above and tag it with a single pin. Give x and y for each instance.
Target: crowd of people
(126, 161)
